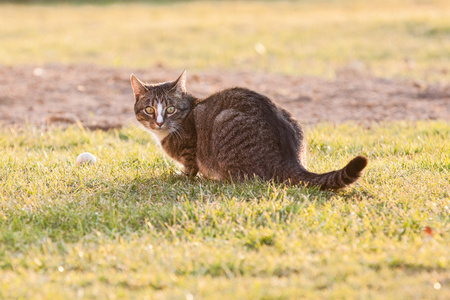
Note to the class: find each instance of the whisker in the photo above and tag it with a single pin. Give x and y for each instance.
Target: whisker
(178, 131)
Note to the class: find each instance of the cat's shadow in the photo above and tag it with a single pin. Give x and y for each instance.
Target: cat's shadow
(175, 187)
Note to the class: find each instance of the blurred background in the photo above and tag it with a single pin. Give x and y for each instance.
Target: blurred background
(393, 38)
(380, 54)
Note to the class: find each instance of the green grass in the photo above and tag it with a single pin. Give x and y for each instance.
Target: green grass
(404, 38)
(130, 227)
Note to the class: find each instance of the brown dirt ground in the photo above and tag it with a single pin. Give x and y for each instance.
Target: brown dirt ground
(101, 98)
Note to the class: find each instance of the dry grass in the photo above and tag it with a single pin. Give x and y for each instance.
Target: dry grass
(391, 38)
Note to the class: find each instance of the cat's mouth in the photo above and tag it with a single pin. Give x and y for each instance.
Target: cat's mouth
(160, 132)
(159, 128)
(156, 128)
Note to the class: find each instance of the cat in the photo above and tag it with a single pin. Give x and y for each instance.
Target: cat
(234, 134)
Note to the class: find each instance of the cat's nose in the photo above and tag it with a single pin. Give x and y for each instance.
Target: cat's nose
(159, 123)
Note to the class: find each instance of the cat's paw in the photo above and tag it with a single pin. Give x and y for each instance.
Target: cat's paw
(179, 173)
(185, 173)
(190, 172)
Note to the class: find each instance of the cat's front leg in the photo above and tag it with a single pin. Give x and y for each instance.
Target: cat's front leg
(189, 160)
(190, 171)
(182, 151)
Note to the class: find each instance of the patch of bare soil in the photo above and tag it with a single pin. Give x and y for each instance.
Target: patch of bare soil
(101, 98)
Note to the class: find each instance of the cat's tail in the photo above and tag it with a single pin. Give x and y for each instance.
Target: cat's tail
(333, 180)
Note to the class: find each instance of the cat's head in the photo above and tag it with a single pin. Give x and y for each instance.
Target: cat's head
(163, 106)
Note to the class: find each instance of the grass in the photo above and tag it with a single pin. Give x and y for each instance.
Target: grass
(401, 38)
(130, 227)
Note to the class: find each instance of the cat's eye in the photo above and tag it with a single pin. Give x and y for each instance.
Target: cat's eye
(170, 110)
(150, 110)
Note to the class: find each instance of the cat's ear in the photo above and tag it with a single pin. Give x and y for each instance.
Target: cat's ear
(180, 83)
(138, 87)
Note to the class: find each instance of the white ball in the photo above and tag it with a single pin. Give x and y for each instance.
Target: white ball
(86, 158)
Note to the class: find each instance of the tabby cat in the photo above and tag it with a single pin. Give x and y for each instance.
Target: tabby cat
(231, 135)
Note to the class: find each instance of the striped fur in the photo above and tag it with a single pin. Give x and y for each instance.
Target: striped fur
(233, 135)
